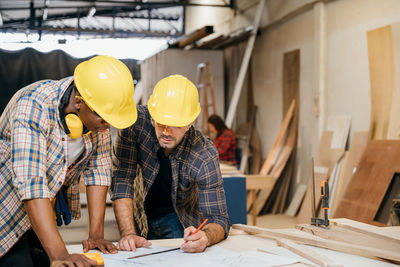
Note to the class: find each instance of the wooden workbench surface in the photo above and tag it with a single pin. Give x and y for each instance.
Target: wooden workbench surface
(239, 241)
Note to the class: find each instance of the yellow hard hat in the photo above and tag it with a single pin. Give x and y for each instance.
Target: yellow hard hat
(106, 86)
(174, 102)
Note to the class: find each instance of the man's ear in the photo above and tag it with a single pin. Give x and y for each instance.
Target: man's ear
(78, 101)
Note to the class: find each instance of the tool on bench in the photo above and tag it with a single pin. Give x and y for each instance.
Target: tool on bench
(172, 249)
(324, 198)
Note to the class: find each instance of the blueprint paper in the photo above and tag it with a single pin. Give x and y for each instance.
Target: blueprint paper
(213, 256)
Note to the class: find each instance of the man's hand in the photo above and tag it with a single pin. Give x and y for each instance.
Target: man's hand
(131, 241)
(72, 260)
(195, 243)
(101, 244)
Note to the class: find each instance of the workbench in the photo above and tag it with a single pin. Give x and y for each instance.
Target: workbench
(239, 241)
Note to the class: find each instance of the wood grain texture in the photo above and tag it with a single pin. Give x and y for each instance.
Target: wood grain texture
(381, 70)
(372, 230)
(310, 239)
(351, 237)
(361, 200)
(309, 254)
(394, 120)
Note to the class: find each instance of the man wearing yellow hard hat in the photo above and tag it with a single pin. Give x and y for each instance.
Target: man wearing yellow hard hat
(166, 179)
(52, 133)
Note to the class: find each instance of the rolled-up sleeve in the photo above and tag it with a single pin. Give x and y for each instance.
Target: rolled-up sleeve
(98, 170)
(28, 144)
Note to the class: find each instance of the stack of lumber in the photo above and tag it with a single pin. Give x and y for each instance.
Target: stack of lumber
(273, 167)
(277, 159)
(342, 235)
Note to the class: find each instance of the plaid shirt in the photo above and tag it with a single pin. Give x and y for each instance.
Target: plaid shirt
(34, 157)
(197, 189)
(226, 145)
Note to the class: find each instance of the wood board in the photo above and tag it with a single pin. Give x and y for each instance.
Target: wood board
(296, 200)
(381, 232)
(394, 119)
(309, 254)
(349, 166)
(309, 239)
(381, 71)
(337, 233)
(361, 200)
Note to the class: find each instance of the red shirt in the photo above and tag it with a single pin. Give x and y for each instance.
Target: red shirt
(226, 145)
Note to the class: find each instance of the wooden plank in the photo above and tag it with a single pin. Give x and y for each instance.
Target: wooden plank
(350, 162)
(381, 70)
(268, 163)
(363, 196)
(291, 80)
(194, 36)
(380, 232)
(273, 156)
(243, 67)
(340, 126)
(333, 179)
(258, 182)
(351, 237)
(296, 200)
(264, 194)
(313, 240)
(309, 254)
(394, 119)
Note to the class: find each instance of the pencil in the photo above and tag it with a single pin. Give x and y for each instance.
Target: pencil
(198, 228)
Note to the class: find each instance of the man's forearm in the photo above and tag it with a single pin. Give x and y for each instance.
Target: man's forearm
(43, 222)
(123, 210)
(215, 233)
(96, 196)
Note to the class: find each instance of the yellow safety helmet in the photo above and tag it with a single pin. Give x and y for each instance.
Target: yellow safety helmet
(106, 86)
(174, 102)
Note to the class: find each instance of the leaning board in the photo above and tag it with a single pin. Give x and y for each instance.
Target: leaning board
(364, 194)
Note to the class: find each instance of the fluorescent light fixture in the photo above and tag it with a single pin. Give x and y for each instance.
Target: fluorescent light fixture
(92, 11)
(45, 13)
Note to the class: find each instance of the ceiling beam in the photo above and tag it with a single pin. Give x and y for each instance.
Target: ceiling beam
(97, 32)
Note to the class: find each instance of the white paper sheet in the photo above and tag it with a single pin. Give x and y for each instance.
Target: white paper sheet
(213, 256)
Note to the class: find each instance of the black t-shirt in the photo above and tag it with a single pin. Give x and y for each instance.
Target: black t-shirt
(158, 200)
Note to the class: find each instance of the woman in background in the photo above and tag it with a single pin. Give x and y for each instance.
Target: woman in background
(224, 139)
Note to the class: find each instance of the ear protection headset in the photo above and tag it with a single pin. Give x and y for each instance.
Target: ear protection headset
(72, 124)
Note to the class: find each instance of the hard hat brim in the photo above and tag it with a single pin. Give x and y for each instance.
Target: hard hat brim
(172, 120)
(122, 122)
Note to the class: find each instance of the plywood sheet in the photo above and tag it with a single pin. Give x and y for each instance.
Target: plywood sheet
(381, 69)
(394, 120)
(297, 199)
(362, 198)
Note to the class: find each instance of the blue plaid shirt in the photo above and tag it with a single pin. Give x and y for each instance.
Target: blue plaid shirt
(197, 187)
(34, 157)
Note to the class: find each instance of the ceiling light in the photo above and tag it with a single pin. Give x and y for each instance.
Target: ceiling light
(45, 13)
(92, 11)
